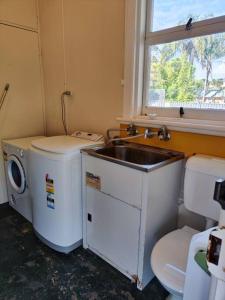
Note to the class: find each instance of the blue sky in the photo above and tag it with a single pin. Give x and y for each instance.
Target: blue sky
(168, 13)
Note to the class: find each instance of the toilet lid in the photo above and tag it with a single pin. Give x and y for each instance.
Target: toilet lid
(169, 258)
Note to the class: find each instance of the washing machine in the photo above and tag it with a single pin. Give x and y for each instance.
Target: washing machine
(55, 173)
(15, 154)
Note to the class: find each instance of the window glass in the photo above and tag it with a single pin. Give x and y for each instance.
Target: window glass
(189, 73)
(170, 13)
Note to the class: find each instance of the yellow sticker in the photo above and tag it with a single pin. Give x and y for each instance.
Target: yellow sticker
(49, 185)
(93, 181)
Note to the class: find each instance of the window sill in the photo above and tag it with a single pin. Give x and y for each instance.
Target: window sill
(207, 127)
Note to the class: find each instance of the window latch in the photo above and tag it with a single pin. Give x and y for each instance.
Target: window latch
(188, 25)
(181, 111)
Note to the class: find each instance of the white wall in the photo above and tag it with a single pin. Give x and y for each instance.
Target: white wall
(23, 111)
(82, 47)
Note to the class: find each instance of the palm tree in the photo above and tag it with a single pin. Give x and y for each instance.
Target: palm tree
(205, 50)
(208, 49)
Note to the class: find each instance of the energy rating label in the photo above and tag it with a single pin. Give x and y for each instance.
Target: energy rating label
(50, 192)
(50, 201)
(49, 185)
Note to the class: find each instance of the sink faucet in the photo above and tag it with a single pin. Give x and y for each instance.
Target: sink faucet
(163, 134)
(132, 132)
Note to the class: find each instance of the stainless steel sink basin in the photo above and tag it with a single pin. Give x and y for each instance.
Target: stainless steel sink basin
(144, 158)
(133, 155)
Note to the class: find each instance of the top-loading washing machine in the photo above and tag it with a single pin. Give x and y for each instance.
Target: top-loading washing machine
(55, 169)
(15, 153)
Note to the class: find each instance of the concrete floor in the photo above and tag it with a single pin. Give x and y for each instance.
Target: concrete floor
(30, 270)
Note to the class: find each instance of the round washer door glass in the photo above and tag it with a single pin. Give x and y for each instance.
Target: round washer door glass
(16, 174)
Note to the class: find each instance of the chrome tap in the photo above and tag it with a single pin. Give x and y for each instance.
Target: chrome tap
(132, 132)
(164, 134)
(148, 134)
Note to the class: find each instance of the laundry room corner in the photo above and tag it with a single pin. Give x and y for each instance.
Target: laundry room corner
(112, 150)
(22, 111)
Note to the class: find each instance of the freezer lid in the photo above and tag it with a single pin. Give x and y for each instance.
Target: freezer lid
(62, 144)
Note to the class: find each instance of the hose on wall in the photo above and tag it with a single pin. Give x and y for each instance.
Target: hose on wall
(63, 107)
(3, 95)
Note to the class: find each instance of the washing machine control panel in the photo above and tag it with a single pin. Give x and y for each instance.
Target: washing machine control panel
(88, 136)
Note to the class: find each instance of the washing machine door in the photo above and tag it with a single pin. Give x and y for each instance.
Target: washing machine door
(16, 174)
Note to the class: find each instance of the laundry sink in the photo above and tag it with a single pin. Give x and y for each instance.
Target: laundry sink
(134, 155)
(137, 156)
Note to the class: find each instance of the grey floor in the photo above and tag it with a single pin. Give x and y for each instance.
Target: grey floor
(30, 270)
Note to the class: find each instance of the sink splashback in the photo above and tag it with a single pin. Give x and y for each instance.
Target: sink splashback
(186, 142)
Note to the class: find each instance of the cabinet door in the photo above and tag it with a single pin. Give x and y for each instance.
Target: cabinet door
(117, 181)
(113, 230)
(21, 12)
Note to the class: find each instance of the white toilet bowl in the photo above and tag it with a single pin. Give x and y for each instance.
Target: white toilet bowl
(169, 260)
(170, 255)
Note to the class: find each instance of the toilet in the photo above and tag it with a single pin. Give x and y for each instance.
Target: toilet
(170, 254)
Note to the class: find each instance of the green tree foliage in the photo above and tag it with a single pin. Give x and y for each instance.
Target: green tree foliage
(208, 49)
(175, 76)
(172, 67)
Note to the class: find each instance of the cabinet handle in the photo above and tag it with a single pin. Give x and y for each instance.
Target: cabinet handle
(3, 95)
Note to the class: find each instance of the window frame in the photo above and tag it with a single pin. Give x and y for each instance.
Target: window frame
(137, 39)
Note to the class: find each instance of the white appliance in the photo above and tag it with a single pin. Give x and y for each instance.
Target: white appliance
(55, 167)
(15, 154)
(172, 258)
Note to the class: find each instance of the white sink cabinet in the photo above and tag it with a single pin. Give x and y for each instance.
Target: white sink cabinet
(125, 211)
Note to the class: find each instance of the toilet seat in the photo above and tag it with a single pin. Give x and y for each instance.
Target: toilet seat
(169, 258)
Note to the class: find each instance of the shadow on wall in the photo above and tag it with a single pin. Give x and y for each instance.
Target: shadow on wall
(190, 219)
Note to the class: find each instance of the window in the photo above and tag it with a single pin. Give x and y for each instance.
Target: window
(185, 65)
(170, 13)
